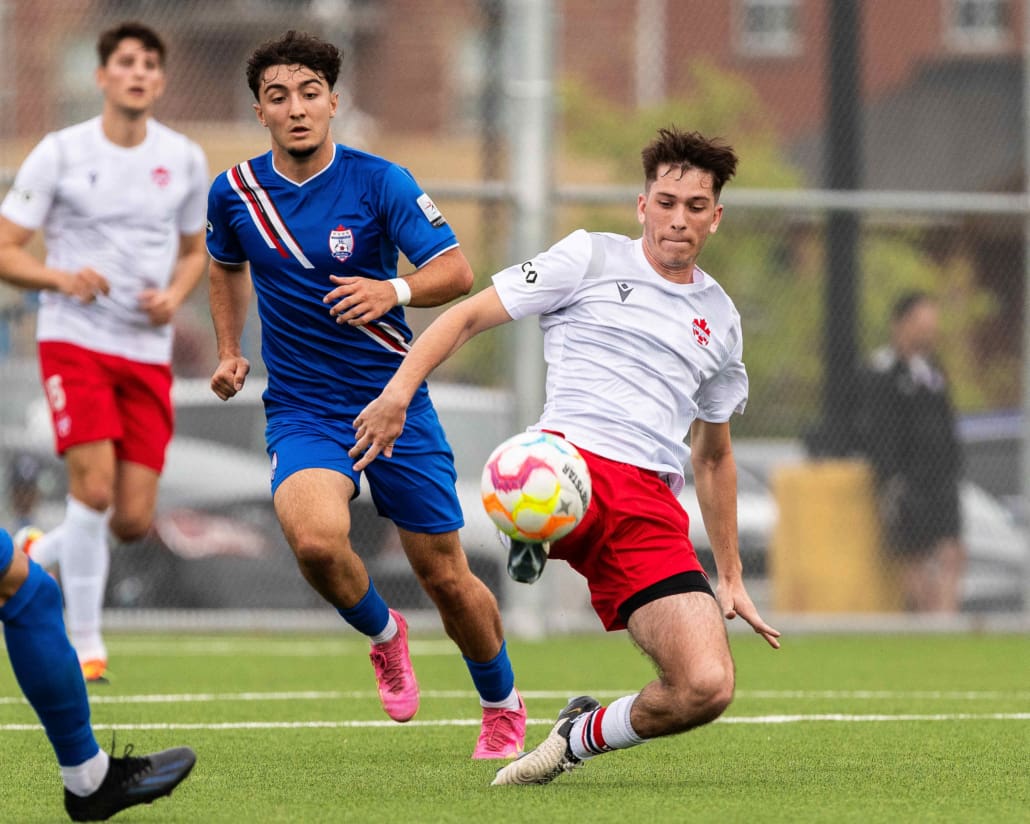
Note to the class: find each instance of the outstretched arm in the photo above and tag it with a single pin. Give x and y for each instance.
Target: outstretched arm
(381, 422)
(715, 476)
(229, 287)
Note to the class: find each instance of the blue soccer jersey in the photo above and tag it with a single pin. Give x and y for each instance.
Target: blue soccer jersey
(350, 219)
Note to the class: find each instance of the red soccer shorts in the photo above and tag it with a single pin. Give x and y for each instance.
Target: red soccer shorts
(633, 544)
(98, 397)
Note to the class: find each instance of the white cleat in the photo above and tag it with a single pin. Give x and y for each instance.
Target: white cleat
(554, 756)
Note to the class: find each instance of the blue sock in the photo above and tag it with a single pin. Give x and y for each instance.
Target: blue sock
(370, 615)
(47, 667)
(494, 679)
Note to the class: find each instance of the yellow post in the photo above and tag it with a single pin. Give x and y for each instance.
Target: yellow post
(825, 554)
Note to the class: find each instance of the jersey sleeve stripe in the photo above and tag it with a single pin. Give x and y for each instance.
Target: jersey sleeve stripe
(264, 214)
(254, 209)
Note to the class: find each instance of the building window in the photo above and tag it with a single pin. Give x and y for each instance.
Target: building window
(978, 25)
(768, 28)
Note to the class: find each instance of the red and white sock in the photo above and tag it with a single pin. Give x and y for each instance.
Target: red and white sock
(604, 729)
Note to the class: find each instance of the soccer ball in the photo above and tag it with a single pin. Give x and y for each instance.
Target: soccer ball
(535, 487)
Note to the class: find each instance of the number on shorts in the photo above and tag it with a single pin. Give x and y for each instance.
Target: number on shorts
(55, 393)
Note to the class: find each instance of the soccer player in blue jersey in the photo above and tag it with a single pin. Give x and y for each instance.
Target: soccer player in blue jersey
(319, 226)
(96, 785)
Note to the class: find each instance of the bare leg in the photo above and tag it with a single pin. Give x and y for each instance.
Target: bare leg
(467, 607)
(950, 559)
(916, 583)
(313, 507)
(685, 637)
(135, 498)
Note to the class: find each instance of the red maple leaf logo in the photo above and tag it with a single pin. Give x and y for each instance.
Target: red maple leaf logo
(702, 334)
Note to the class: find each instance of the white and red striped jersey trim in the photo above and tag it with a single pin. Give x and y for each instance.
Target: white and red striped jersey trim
(262, 211)
(386, 336)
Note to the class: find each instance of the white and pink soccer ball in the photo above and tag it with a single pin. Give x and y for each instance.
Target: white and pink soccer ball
(535, 487)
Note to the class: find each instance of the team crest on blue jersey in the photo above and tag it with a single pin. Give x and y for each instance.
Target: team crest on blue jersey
(341, 242)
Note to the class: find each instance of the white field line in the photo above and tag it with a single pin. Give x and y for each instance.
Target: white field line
(471, 722)
(335, 695)
(271, 648)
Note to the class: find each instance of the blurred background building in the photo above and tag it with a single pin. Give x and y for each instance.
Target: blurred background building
(883, 148)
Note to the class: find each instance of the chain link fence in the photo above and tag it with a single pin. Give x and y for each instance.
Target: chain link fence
(882, 151)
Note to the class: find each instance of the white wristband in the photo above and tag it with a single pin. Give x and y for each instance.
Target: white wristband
(400, 286)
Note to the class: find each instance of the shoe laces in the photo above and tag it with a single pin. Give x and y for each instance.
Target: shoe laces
(498, 728)
(128, 768)
(389, 660)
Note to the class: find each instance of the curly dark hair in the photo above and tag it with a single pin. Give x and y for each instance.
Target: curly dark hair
(295, 49)
(689, 150)
(111, 38)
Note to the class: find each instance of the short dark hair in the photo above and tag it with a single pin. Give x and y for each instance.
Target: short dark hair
(908, 301)
(294, 49)
(110, 39)
(689, 150)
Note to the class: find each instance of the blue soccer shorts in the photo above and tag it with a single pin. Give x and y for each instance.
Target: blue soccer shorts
(415, 488)
(6, 551)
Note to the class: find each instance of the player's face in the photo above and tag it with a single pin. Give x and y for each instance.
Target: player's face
(922, 328)
(295, 104)
(133, 78)
(678, 212)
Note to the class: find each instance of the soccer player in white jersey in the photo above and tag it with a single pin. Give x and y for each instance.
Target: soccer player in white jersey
(120, 199)
(315, 228)
(643, 350)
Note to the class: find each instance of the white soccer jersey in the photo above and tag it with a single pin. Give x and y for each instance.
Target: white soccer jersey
(632, 358)
(119, 210)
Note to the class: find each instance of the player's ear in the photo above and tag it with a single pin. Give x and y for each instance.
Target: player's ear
(334, 102)
(260, 115)
(716, 220)
(641, 203)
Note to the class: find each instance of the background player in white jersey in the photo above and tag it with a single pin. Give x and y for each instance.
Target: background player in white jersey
(120, 200)
(319, 226)
(643, 349)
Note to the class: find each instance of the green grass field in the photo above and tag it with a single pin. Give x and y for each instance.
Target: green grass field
(288, 729)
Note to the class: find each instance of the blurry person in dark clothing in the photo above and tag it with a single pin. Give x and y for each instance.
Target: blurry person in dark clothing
(913, 446)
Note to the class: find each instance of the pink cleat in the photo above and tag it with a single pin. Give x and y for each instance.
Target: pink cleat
(503, 733)
(398, 689)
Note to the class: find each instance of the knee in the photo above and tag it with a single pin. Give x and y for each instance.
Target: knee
(130, 527)
(313, 551)
(441, 582)
(698, 699)
(445, 578)
(96, 492)
(710, 693)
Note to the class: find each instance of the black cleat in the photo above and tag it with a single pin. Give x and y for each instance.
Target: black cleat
(131, 781)
(554, 755)
(525, 560)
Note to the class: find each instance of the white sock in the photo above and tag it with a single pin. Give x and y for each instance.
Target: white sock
(84, 779)
(512, 702)
(604, 729)
(84, 565)
(388, 633)
(46, 549)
